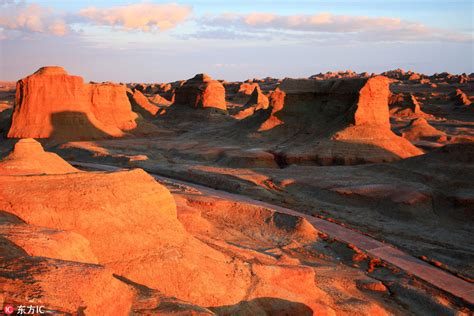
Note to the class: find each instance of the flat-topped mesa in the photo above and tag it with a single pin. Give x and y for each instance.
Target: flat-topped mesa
(361, 101)
(51, 103)
(201, 92)
(335, 121)
(28, 157)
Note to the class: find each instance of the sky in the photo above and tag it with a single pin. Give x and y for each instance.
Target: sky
(163, 41)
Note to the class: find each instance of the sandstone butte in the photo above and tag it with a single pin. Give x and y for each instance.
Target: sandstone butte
(72, 232)
(51, 103)
(334, 121)
(201, 92)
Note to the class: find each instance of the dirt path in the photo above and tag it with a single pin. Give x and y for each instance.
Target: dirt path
(424, 271)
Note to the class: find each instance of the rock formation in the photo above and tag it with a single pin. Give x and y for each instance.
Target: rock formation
(334, 121)
(110, 105)
(140, 104)
(201, 92)
(460, 100)
(406, 105)
(124, 243)
(159, 100)
(414, 77)
(244, 91)
(257, 101)
(398, 74)
(51, 103)
(123, 223)
(338, 75)
(420, 129)
(276, 104)
(97, 206)
(28, 157)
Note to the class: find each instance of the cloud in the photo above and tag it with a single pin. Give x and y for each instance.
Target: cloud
(31, 18)
(142, 16)
(18, 18)
(325, 25)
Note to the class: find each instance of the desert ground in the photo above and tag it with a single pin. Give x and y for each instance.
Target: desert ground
(144, 198)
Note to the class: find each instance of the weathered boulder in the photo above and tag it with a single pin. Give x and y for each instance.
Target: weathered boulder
(201, 92)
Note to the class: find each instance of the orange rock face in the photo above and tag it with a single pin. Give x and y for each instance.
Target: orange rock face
(110, 105)
(257, 101)
(127, 223)
(360, 101)
(420, 129)
(51, 103)
(276, 103)
(159, 100)
(201, 92)
(461, 100)
(342, 121)
(62, 287)
(141, 104)
(85, 237)
(248, 88)
(28, 157)
(150, 247)
(242, 92)
(371, 107)
(406, 105)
